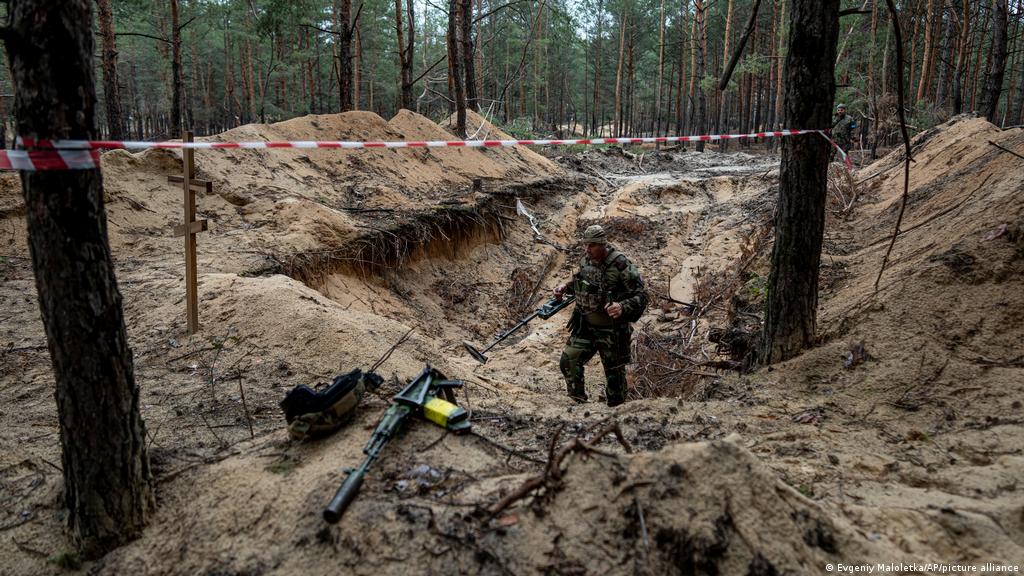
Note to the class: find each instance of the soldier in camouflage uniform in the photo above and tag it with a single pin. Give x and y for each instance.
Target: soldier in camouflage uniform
(609, 296)
(842, 129)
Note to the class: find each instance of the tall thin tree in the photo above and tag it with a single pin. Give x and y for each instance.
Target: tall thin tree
(175, 72)
(111, 93)
(997, 62)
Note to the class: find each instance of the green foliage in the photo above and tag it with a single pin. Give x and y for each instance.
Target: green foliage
(757, 287)
(67, 559)
(536, 67)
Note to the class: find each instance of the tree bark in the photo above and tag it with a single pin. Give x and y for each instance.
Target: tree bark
(106, 473)
(618, 73)
(946, 62)
(680, 101)
(979, 52)
(800, 219)
(344, 39)
(111, 93)
(466, 22)
(455, 68)
(961, 58)
(410, 48)
(928, 60)
(597, 120)
(702, 103)
(997, 63)
(780, 114)
(404, 61)
(661, 68)
(175, 72)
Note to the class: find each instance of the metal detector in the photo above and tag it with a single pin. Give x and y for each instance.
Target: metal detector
(549, 309)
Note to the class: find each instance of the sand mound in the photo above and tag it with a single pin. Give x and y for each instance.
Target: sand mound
(697, 508)
(934, 406)
(688, 509)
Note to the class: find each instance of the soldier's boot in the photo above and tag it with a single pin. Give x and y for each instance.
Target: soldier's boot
(616, 390)
(572, 370)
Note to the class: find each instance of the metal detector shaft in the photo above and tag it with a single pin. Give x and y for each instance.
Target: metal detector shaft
(546, 311)
(511, 331)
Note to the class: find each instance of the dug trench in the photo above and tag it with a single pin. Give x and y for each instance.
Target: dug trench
(909, 453)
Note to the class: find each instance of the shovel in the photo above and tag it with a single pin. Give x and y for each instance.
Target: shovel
(549, 309)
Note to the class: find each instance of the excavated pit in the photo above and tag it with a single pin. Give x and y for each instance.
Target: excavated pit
(897, 437)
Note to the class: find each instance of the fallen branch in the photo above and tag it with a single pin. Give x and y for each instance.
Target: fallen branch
(552, 475)
(387, 354)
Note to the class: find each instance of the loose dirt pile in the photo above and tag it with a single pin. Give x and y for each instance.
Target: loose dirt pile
(897, 439)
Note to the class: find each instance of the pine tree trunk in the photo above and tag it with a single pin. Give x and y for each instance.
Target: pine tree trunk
(979, 52)
(997, 62)
(598, 117)
(702, 103)
(961, 58)
(1016, 115)
(190, 102)
(250, 78)
(627, 97)
(916, 19)
(466, 22)
(175, 72)
(927, 61)
(618, 74)
(792, 303)
(772, 77)
(478, 57)
(661, 67)
(111, 93)
(357, 68)
(410, 51)
(1014, 67)
(455, 68)
(691, 102)
(404, 74)
(720, 119)
(680, 102)
(106, 473)
(780, 114)
(946, 63)
(345, 55)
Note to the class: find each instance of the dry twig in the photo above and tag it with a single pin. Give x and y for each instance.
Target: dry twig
(552, 475)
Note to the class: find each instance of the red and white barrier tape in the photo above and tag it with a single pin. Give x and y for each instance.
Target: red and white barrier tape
(31, 160)
(83, 154)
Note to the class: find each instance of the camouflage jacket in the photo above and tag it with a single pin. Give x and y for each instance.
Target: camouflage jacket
(842, 130)
(615, 279)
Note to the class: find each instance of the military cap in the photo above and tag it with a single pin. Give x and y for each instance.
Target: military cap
(594, 234)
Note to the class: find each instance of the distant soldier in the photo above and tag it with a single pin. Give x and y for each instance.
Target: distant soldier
(609, 296)
(842, 129)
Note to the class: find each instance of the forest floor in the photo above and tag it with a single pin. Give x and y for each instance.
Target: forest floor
(898, 438)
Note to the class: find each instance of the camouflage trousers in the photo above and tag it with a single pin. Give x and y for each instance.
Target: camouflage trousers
(613, 345)
(845, 143)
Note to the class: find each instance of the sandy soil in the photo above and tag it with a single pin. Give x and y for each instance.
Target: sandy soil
(316, 262)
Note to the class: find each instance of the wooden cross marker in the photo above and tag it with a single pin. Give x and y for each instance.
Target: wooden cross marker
(189, 229)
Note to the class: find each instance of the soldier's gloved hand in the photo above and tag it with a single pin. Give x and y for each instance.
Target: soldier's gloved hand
(559, 290)
(614, 309)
